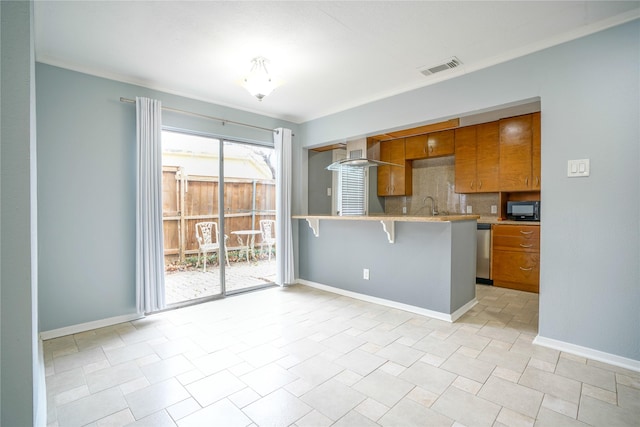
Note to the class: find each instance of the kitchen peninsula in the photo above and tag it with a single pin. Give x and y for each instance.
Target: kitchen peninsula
(422, 264)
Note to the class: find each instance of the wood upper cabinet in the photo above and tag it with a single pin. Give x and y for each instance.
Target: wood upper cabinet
(465, 160)
(515, 153)
(536, 171)
(416, 147)
(440, 143)
(516, 257)
(394, 180)
(436, 144)
(488, 157)
(477, 150)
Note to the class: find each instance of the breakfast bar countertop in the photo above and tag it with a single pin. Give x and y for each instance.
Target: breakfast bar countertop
(403, 218)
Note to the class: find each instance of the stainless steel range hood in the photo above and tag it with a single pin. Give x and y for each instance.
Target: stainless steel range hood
(356, 157)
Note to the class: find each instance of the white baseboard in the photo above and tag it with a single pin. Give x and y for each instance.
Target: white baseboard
(589, 353)
(83, 327)
(393, 304)
(462, 310)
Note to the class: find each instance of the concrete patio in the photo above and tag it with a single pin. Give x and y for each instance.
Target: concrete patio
(182, 286)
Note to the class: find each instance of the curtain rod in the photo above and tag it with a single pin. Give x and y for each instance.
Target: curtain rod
(224, 121)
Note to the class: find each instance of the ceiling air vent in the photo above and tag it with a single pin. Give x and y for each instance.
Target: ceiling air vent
(450, 63)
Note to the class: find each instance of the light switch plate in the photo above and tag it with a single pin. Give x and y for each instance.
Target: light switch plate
(469, 209)
(494, 209)
(329, 191)
(578, 168)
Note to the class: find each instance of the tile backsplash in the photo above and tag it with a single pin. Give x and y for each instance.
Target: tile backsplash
(436, 178)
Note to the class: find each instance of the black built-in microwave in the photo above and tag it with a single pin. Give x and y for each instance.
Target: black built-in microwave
(524, 210)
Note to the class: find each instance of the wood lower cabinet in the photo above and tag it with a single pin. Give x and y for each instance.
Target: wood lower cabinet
(516, 270)
(394, 180)
(515, 257)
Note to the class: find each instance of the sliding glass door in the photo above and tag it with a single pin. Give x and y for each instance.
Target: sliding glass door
(213, 240)
(249, 202)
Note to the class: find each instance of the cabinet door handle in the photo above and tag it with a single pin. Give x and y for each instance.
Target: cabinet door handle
(472, 185)
(526, 232)
(480, 185)
(431, 149)
(526, 181)
(537, 181)
(526, 269)
(525, 246)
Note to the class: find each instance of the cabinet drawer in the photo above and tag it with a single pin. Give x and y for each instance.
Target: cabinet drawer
(519, 268)
(516, 243)
(516, 238)
(517, 230)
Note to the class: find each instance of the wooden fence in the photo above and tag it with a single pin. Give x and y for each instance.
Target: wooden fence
(187, 200)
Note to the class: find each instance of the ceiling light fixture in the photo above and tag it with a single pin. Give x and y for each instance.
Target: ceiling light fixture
(258, 82)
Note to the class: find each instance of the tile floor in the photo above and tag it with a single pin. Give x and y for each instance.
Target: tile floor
(303, 357)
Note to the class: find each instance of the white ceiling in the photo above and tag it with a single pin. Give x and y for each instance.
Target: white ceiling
(329, 56)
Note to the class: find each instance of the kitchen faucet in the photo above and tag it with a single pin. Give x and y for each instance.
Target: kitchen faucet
(434, 206)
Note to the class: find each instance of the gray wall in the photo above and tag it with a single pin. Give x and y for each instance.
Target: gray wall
(589, 91)
(22, 390)
(415, 270)
(464, 246)
(319, 180)
(86, 194)
(376, 204)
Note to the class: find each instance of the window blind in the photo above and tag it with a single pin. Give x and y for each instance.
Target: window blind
(352, 191)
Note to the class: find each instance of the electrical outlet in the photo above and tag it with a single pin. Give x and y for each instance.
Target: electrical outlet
(404, 209)
(494, 209)
(469, 209)
(329, 191)
(365, 274)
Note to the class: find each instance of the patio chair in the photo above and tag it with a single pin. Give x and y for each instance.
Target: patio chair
(208, 241)
(268, 233)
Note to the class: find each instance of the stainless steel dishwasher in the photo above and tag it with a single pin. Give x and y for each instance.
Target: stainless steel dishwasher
(483, 255)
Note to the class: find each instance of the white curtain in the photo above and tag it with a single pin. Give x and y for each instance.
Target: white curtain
(149, 238)
(285, 274)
